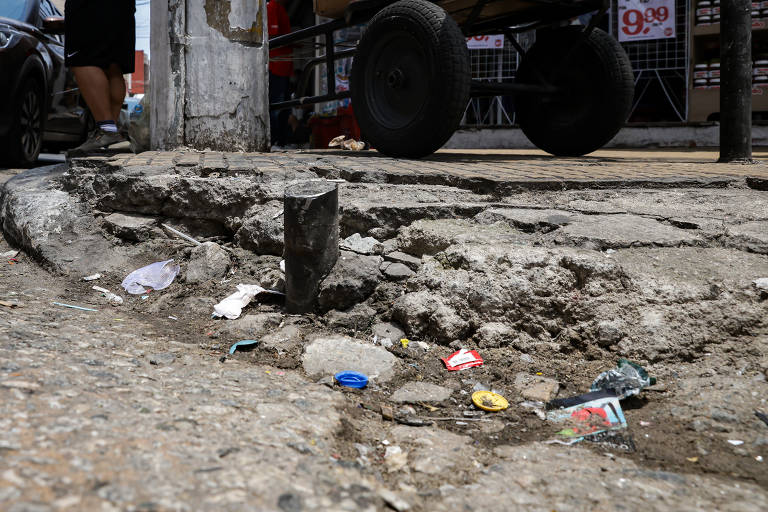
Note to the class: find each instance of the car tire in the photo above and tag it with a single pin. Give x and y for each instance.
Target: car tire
(595, 77)
(410, 79)
(23, 143)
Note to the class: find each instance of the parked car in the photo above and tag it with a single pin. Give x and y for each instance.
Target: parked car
(40, 104)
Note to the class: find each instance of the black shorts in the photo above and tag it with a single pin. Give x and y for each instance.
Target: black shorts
(100, 33)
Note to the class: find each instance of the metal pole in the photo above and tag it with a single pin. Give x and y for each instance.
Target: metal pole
(735, 81)
(311, 222)
(330, 64)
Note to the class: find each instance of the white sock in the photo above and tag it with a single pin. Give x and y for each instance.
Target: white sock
(108, 126)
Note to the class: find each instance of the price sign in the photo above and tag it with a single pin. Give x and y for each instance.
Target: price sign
(646, 19)
(494, 42)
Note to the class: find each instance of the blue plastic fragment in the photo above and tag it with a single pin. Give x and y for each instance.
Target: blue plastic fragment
(351, 379)
(74, 307)
(242, 343)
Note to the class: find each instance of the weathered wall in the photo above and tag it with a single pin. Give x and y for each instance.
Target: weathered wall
(209, 75)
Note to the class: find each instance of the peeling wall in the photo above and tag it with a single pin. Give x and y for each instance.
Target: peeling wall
(235, 21)
(209, 75)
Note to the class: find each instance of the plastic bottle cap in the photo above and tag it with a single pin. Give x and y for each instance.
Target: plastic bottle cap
(489, 401)
(351, 379)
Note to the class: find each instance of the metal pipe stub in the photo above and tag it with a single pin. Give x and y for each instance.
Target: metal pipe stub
(311, 221)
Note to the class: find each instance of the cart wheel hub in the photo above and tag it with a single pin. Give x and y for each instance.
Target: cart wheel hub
(396, 78)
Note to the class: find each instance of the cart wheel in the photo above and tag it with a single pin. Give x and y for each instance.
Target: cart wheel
(596, 82)
(410, 79)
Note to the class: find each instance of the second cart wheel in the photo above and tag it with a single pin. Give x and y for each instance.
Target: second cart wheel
(595, 85)
(410, 79)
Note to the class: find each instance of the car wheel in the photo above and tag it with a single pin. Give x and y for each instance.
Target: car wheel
(25, 140)
(410, 79)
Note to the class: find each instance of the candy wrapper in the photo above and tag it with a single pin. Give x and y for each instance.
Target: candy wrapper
(462, 359)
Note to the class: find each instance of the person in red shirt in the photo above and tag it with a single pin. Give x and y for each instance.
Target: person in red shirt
(280, 69)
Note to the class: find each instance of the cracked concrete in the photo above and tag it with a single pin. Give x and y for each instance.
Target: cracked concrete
(552, 286)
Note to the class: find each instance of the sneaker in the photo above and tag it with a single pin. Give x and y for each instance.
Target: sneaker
(98, 139)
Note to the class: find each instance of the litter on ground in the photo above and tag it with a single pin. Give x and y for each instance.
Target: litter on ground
(243, 346)
(111, 297)
(587, 414)
(232, 306)
(81, 308)
(627, 379)
(489, 401)
(462, 359)
(351, 379)
(156, 276)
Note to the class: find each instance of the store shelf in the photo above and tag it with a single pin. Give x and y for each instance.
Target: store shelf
(704, 102)
(714, 29)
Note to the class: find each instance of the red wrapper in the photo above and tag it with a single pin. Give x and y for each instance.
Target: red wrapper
(462, 359)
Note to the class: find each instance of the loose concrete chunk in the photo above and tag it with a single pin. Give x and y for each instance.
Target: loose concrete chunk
(136, 228)
(411, 262)
(447, 325)
(262, 229)
(397, 271)
(161, 359)
(358, 318)
(421, 392)
(388, 330)
(252, 326)
(494, 334)
(328, 356)
(413, 311)
(283, 339)
(356, 243)
(535, 387)
(207, 261)
(352, 280)
(609, 332)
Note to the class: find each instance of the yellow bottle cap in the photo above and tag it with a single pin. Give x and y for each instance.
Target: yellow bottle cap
(489, 401)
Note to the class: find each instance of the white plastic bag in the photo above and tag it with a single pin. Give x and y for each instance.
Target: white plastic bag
(156, 276)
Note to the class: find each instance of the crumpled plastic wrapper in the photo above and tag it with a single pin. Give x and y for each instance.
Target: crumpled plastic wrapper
(627, 379)
(156, 276)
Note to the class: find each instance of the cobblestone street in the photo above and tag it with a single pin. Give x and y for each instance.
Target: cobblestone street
(552, 269)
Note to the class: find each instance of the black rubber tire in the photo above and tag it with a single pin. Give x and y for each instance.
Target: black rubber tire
(596, 77)
(22, 145)
(410, 79)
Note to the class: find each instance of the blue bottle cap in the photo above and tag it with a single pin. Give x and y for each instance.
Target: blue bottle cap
(351, 379)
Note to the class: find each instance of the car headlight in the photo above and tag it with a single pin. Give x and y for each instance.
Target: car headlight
(6, 36)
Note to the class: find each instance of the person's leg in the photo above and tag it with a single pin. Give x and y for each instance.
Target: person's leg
(116, 89)
(94, 85)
